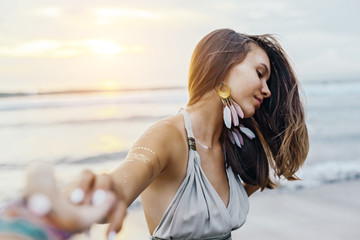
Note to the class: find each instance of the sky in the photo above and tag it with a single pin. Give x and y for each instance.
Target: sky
(109, 44)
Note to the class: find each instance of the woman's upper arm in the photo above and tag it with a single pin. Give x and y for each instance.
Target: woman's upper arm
(147, 158)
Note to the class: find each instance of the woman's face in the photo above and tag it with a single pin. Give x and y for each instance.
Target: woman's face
(248, 80)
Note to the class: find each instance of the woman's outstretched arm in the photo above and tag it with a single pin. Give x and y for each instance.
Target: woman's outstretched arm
(148, 157)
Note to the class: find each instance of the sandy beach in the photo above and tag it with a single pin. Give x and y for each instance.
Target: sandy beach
(329, 212)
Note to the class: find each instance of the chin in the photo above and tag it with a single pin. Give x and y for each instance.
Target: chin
(249, 114)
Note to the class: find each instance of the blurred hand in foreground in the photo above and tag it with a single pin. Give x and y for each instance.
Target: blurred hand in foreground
(90, 190)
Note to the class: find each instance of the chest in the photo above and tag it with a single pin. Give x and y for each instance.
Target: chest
(213, 166)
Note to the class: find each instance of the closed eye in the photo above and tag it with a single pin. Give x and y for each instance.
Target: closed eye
(259, 74)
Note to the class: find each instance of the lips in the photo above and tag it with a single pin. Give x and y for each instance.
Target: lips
(259, 100)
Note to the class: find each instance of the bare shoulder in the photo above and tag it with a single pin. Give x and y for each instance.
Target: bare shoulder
(168, 130)
(151, 158)
(165, 138)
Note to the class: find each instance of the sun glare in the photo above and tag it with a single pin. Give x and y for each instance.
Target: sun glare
(37, 46)
(104, 46)
(48, 12)
(109, 84)
(51, 12)
(63, 49)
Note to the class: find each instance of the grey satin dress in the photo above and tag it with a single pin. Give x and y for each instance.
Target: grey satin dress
(197, 211)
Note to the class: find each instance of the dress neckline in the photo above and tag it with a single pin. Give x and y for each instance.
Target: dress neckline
(190, 136)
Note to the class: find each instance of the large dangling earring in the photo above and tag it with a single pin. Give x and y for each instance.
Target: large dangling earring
(231, 110)
(231, 114)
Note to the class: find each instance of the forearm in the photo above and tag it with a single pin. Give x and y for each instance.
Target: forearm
(131, 178)
(133, 175)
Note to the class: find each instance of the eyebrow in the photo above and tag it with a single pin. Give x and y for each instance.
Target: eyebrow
(266, 68)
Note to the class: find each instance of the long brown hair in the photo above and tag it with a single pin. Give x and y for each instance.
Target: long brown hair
(282, 138)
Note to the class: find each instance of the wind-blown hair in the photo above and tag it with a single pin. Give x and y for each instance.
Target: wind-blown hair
(282, 140)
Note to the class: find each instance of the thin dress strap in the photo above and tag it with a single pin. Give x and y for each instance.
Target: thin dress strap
(190, 134)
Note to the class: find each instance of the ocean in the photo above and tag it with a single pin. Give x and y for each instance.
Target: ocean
(95, 129)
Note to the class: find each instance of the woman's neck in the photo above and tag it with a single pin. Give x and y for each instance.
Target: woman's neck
(207, 118)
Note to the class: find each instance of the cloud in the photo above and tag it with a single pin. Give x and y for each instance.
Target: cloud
(48, 12)
(17, 68)
(126, 12)
(63, 49)
(110, 15)
(257, 10)
(136, 16)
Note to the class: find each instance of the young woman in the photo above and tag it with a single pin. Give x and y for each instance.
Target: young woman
(244, 122)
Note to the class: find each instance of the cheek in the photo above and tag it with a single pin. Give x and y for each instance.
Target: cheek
(246, 102)
(241, 83)
(242, 92)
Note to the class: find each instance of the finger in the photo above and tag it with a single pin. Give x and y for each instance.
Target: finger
(82, 193)
(40, 187)
(79, 218)
(90, 214)
(102, 183)
(117, 218)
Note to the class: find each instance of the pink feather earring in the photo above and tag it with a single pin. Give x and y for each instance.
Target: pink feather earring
(231, 114)
(231, 110)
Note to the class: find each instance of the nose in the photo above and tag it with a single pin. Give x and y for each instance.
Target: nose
(265, 91)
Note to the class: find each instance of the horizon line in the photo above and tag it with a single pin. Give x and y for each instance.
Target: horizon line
(84, 91)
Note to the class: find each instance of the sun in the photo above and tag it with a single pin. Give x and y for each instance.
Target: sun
(100, 46)
(109, 84)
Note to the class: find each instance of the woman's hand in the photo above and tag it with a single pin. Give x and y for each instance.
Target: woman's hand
(91, 189)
